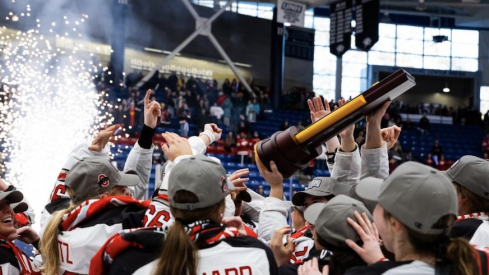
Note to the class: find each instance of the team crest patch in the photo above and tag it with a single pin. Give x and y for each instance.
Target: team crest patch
(314, 183)
(103, 181)
(223, 182)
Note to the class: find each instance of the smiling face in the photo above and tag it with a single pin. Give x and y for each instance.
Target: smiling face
(7, 227)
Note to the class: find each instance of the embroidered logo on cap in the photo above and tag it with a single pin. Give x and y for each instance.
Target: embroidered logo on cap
(103, 181)
(314, 183)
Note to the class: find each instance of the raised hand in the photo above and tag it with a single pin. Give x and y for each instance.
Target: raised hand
(376, 116)
(373, 135)
(390, 135)
(238, 181)
(212, 131)
(102, 138)
(318, 109)
(274, 179)
(281, 253)
(347, 138)
(370, 252)
(151, 111)
(27, 234)
(175, 146)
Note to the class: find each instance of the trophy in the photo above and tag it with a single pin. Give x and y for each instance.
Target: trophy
(291, 150)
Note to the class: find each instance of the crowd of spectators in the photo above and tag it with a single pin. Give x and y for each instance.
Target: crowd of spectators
(187, 100)
(464, 115)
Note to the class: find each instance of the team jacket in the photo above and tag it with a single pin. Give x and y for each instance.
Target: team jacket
(15, 262)
(139, 160)
(474, 227)
(84, 230)
(137, 251)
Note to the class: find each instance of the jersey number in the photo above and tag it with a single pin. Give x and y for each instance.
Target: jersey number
(156, 219)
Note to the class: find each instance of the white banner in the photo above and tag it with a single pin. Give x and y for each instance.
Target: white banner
(291, 12)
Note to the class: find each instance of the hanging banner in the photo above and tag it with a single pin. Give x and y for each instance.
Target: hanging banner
(340, 28)
(367, 19)
(291, 12)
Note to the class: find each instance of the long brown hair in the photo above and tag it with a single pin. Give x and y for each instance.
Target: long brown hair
(456, 252)
(179, 254)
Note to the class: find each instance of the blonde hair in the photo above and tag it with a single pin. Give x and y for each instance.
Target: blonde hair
(179, 254)
(49, 240)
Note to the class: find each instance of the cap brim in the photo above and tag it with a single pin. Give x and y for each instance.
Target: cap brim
(312, 212)
(298, 198)
(369, 188)
(12, 196)
(19, 207)
(128, 178)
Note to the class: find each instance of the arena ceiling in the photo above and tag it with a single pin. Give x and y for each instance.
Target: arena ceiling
(467, 13)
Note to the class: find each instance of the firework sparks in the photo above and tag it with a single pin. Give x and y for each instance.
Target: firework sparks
(48, 105)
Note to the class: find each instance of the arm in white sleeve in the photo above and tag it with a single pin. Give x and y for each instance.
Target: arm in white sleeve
(272, 216)
(140, 160)
(347, 167)
(375, 162)
(198, 147)
(253, 208)
(230, 209)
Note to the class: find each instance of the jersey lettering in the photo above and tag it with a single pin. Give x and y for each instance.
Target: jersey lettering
(64, 252)
(154, 218)
(242, 270)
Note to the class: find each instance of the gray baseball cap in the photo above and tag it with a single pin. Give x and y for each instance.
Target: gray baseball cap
(93, 176)
(319, 187)
(472, 173)
(330, 219)
(19, 207)
(13, 197)
(415, 194)
(203, 176)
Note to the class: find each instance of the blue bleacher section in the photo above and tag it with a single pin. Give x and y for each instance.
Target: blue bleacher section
(456, 140)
